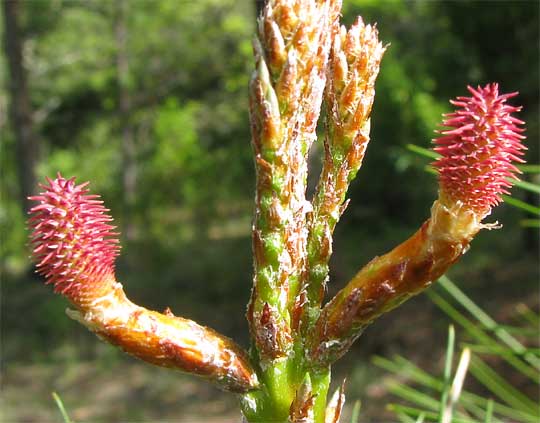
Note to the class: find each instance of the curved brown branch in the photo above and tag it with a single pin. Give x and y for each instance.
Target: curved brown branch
(167, 340)
(389, 280)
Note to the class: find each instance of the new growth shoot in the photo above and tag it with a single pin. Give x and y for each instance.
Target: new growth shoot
(303, 57)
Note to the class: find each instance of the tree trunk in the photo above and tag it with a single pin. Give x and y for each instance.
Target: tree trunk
(20, 108)
(129, 160)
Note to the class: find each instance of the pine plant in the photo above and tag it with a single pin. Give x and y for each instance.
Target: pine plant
(303, 58)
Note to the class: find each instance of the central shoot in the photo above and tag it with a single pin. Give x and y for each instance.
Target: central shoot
(302, 57)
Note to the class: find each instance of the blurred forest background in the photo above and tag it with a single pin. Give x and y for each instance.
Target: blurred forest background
(148, 101)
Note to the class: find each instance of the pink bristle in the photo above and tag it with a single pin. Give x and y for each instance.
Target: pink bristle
(478, 149)
(73, 245)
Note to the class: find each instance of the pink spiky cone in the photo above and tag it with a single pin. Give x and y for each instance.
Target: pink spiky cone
(479, 149)
(74, 247)
(74, 244)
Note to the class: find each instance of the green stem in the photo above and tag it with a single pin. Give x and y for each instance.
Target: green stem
(280, 382)
(321, 384)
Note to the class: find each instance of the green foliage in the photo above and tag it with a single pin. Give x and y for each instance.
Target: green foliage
(61, 407)
(355, 415)
(487, 340)
(176, 157)
(12, 234)
(191, 62)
